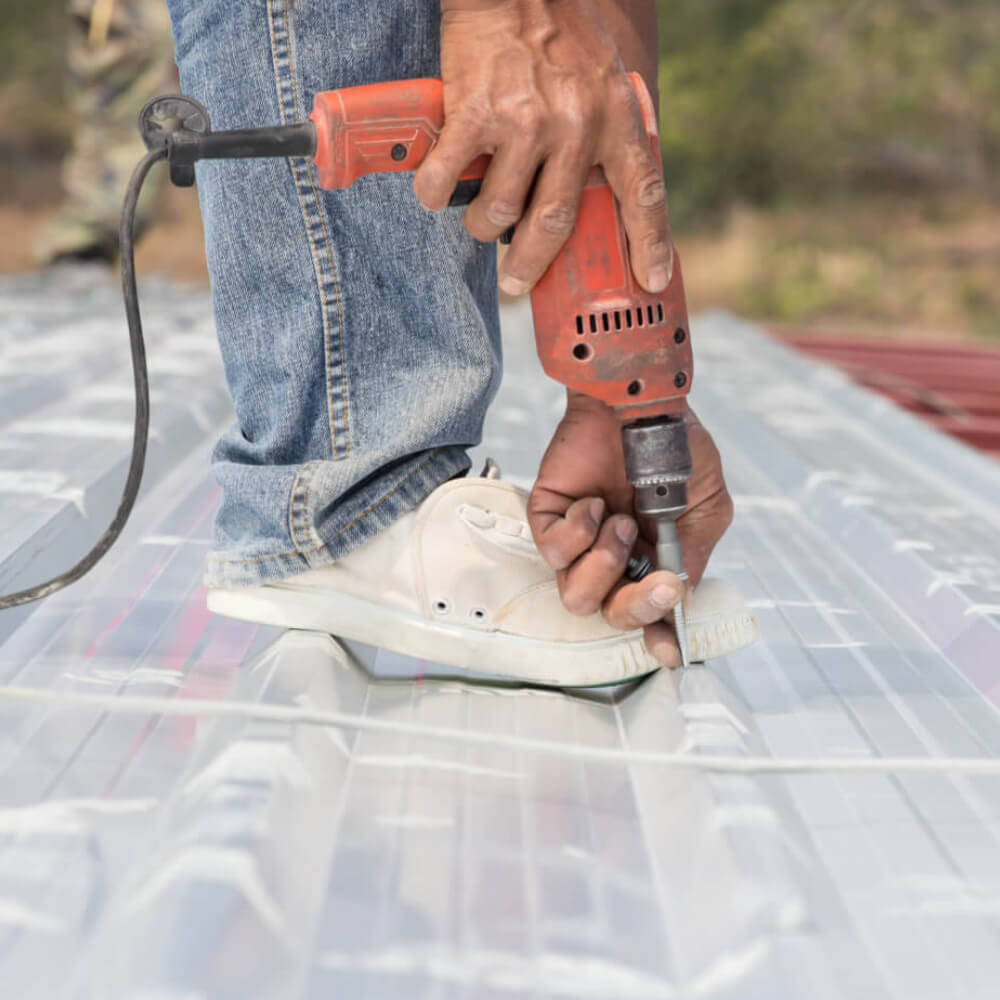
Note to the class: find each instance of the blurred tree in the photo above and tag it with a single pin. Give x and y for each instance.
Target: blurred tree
(29, 42)
(807, 99)
(32, 79)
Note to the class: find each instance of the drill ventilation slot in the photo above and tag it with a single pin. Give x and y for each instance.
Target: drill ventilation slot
(620, 319)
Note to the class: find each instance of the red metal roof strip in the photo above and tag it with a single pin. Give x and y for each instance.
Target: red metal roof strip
(955, 387)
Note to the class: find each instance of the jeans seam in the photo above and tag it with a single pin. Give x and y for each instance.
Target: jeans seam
(281, 53)
(338, 298)
(299, 520)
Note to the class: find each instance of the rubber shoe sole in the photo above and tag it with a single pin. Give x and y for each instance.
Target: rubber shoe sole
(556, 664)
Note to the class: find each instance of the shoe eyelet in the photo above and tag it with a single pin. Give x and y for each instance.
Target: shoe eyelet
(441, 606)
(479, 614)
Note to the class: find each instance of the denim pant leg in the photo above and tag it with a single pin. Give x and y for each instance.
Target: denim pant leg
(359, 333)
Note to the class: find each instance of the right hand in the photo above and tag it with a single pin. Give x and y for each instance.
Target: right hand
(541, 87)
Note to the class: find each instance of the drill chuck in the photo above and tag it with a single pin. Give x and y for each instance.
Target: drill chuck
(658, 465)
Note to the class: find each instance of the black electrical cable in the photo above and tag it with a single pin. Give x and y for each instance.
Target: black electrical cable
(140, 434)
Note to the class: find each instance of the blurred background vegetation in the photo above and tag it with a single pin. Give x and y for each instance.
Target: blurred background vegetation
(831, 162)
(837, 161)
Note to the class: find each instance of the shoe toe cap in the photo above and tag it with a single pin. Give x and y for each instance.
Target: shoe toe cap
(719, 621)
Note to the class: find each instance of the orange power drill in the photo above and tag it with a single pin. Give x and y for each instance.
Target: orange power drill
(596, 329)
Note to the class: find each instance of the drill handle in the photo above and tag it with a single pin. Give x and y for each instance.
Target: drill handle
(390, 127)
(379, 128)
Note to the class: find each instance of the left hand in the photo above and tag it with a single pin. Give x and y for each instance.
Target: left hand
(582, 518)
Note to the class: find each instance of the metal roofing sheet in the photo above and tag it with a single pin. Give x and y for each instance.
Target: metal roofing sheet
(196, 807)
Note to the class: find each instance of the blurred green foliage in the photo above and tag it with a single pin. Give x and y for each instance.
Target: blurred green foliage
(815, 99)
(32, 76)
(31, 43)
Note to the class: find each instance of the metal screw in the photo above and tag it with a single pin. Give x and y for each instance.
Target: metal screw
(638, 568)
(398, 152)
(680, 380)
(679, 336)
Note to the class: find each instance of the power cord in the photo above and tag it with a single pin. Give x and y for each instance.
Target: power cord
(140, 376)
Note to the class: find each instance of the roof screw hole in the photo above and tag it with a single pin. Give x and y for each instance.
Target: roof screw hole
(634, 388)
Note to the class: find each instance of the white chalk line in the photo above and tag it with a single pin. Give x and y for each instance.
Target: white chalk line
(205, 708)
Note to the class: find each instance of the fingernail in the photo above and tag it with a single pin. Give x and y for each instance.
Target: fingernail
(663, 596)
(657, 279)
(514, 286)
(596, 510)
(627, 532)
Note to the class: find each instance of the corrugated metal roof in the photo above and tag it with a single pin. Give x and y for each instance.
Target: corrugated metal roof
(954, 387)
(195, 807)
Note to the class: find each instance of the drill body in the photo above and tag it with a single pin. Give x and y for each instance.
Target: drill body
(597, 330)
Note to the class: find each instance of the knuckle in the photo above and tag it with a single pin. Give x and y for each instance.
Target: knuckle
(531, 124)
(582, 538)
(556, 553)
(619, 85)
(613, 617)
(650, 191)
(660, 252)
(578, 117)
(527, 117)
(578, 602)
(553, 557)
(477, 228)
(727, 510)
(475, 114)
(428, 178)
(502, 213)
(557, 218)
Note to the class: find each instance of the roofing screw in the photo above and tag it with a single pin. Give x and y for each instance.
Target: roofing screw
(398, 152)
(638, 568)
(680, 380)
(679, 336)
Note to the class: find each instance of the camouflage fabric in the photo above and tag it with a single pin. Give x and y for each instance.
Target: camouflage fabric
(120, 53)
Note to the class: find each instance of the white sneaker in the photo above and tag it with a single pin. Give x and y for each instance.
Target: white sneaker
(459, 581)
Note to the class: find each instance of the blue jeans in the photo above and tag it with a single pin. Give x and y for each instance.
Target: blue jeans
(359, 333)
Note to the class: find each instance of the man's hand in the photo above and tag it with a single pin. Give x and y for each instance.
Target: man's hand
(581, 517)
(540, 85)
